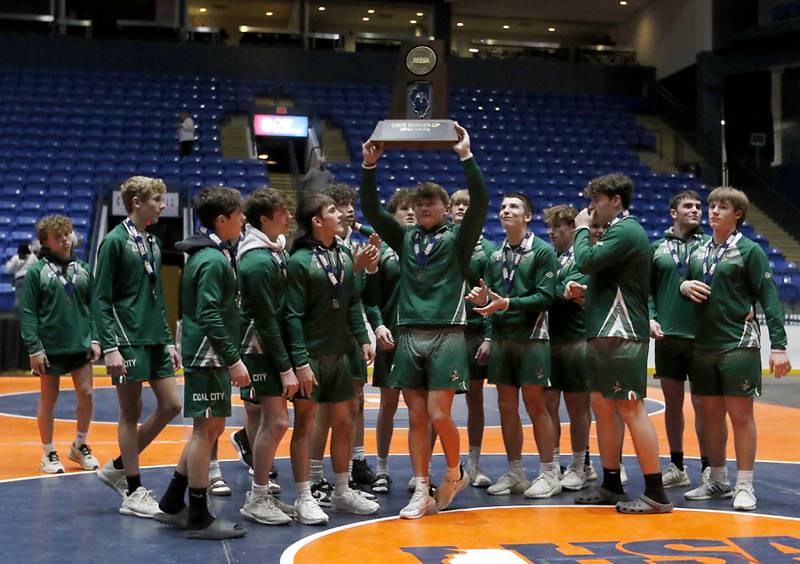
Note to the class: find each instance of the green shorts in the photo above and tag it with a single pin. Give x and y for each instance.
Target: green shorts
(734, 372)
(618, 367)
(65, 363)
(516, 362)
(334, 382)
(474, 340)
(206, 392)
(145, 362)
(382, 367)
(265, 380)
(569, 367)
(430, 358)
(673, 358)
(358, 366)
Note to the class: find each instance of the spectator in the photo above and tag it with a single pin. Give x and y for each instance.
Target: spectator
(18, 265)
(186, 130)
(318, 177)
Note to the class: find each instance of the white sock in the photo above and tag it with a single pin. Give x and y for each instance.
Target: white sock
(80, 438)
(718, 474)
(214, 470)
(557, 457)
(744, 478)
(358, 453)
(259, 491)
(515, 466)
(315, 470)
(383, 465)
(421, 483)
(577, 460)
(302, 487)
(341, 482)
(474, 455)
(453, 473)
(547, 467)
(48, 448)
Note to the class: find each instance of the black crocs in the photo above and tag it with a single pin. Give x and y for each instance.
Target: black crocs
(219, 529)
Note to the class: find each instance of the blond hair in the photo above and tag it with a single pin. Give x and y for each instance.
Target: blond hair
(459, 197)
(58, 224)
(562, 213)
(732, 196)
(142, 187)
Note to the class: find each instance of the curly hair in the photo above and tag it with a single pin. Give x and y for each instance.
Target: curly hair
(58, 224)
(342, 194)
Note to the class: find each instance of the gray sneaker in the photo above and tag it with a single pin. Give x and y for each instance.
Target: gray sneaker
(710, 490)
(113, 478)
(264, 510)
(674, 477)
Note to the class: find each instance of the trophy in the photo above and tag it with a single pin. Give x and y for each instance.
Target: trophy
(419, 101)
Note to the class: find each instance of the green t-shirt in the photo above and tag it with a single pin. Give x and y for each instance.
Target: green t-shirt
(618, 266)
(566, 316)
(673, 312)
(532, 289)
(51, 319)
(128, 306)
(741, 279)
(431, 294)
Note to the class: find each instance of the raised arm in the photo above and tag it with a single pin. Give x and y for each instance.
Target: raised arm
(381, 220)
(475, 217)
(595, 258)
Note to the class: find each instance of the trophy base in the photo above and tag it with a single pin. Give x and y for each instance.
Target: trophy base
(415, 133)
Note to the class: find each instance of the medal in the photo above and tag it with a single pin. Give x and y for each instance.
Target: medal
(511, 261)
(716, 256)
(138, 240)
(68, 285)
(423, 252)
(681, 262)
(336, 281)
(564, 260)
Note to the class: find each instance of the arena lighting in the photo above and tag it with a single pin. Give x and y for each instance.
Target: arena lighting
(412, 21)
(370, 11)
(269, 13)
(473, 50)
(263, 157)
(420, 14)
(365, 19)
(460, 24)
(506, 26)
(722, 123)
(623, 3)
(321, 8)
(203, 10)
(551, 29)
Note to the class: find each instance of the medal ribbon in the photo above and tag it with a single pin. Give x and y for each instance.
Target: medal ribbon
(681, 262)
(716, 256)
(278, 256)
(564, 259)
(430, 242)
(623, 215)
(69, 285)
(149, 268)
(510, 263)
(324, 259)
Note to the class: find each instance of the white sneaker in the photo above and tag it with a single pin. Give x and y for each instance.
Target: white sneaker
(139, 503)
(421, 504)
(308, 512)
(412, 483)
(350, 502)
(623, 474)
(274, 488)
(83, 456)
(51, 464)
(574, 478)
(710, 489)
(262, 509)
(113, 478)
(545, 485)
(674, 477)
(744, 498)
(477, 478)
(448, 489)
(591, 475)
(510, 483)
(287, 508)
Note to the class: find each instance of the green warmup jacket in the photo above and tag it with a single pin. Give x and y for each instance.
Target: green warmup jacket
(741, 279)
(314, 325)
(51, 320)
(532, 292)
(432, 295)
(476, 323)
(128, 307)
(566, 317)
(212, 323)
(618, 266)
(382, 308)
(673, 312)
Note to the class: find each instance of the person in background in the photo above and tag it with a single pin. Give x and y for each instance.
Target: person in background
(18, 266)
(318, 176)
(186, 133)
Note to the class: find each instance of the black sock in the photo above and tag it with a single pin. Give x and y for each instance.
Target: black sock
(612, 481)
(117, 462)
(134, 483)
(172, 500)
(703, 463)
(199, 517)
(654, 488)
(677, 459)
(586, 459)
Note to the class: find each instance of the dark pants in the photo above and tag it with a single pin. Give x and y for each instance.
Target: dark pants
(186, 148)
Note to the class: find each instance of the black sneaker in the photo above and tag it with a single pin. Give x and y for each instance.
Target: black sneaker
(242, 447)
(273, 473)
(359, 489)
(362, 473)
(321, 490)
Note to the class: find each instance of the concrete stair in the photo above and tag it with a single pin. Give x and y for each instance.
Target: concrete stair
(776, 236)
(233, 137)
(282, 182)
(334, 144)
(671, 147)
